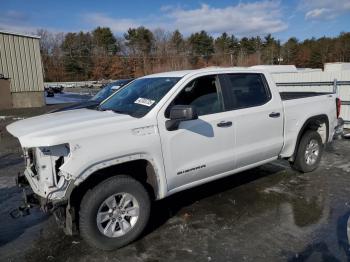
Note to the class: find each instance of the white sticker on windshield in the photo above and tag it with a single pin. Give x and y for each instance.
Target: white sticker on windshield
(144, 101)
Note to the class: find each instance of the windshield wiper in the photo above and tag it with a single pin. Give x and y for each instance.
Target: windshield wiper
(120, 112)
(98, 108)
(115, 111)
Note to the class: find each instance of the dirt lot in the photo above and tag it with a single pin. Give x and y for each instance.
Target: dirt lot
(270, 213)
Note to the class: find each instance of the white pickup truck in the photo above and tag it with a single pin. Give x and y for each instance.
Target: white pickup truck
(99, 169)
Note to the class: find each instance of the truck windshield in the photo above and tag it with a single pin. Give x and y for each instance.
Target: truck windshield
(140, 96)
(103, 93)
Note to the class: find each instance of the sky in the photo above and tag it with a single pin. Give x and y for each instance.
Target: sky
(283, 19)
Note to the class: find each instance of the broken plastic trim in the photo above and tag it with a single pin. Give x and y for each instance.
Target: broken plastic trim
(29, 201)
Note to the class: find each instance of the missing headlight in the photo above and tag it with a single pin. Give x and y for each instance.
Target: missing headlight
(32, 161)
(58, 163)
(58, 150)
(52, 158)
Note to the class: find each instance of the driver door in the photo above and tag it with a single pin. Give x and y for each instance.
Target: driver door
(200, 148)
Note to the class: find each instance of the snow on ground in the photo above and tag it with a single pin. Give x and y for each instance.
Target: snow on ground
(67, 97)
(11, 117)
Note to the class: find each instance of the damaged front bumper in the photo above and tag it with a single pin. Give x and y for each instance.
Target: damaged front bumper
(49, 192)
(60, 208)
(43, 172)
(31, 198)
(46, 185)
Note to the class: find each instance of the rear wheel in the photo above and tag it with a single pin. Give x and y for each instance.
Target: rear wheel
(114, 213)
(309, 152)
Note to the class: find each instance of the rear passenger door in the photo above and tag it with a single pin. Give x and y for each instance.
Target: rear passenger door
(257, 118)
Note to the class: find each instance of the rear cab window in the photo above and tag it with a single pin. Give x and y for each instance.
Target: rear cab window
(246, 90)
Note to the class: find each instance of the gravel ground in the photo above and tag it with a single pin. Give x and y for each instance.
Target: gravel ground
(270, 213)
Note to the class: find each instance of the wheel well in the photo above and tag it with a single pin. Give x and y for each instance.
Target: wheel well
(141, 170)
(318, 123)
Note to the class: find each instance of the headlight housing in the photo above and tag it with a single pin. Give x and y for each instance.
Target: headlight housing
(43, 165)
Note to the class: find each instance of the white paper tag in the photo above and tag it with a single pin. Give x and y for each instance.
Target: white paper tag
(144, 101)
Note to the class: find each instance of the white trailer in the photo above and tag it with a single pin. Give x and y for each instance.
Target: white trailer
(335, 76)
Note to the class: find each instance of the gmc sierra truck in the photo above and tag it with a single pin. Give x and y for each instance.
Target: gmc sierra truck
(98, 170)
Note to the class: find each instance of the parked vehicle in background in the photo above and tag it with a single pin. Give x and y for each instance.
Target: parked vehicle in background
(98, 170)
(49, 92)
(55, 88)
(99, 97)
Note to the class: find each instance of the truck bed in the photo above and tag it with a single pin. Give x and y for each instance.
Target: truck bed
(297, 95)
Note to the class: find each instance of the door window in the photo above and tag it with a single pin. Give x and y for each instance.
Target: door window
(247, 90)
(202, 93)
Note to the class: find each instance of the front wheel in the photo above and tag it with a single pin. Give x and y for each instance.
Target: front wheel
(309, 152)
(114, 213)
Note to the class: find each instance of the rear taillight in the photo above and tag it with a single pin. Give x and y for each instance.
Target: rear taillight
(338, 102)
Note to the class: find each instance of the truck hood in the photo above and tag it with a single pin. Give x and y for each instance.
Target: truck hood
(91, 104)
(62, 127)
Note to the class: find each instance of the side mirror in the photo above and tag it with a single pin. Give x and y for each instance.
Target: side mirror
(179, 113)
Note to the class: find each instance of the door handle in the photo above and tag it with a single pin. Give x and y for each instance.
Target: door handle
(274, 114)
(224, 124)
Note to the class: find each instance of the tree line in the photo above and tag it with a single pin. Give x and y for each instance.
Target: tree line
(100, 54)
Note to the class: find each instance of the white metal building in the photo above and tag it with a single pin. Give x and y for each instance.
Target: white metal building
(20, 63)
(320, 81)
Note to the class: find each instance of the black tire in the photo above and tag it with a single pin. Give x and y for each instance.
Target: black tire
(300, 162)
(94, 198)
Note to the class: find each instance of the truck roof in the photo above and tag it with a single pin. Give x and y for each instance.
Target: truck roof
(182, 73)
(276, 68)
